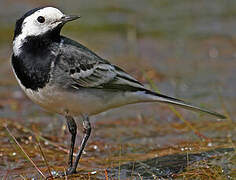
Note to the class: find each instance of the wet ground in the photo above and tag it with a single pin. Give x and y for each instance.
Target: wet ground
(186, 49)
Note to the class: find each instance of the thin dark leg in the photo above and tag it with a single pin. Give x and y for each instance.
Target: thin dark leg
(73, 130)
(87, 131)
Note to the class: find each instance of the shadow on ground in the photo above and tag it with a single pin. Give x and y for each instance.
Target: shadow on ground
(166, 166)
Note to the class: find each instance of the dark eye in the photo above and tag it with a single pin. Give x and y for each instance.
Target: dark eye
(41, 19)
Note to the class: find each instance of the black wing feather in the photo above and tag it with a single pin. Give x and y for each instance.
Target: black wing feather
(84, 68)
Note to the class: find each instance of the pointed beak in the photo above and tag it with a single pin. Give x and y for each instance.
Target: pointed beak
(68, 18)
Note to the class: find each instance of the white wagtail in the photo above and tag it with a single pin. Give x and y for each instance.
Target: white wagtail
(65, 77)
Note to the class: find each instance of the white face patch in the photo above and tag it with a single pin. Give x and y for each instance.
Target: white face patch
(32, 27)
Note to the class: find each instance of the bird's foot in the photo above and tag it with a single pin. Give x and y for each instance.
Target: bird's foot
(70, 171)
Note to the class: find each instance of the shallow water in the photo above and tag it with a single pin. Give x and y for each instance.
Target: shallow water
(187, 48)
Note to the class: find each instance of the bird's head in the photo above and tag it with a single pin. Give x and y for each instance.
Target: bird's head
(40, 21)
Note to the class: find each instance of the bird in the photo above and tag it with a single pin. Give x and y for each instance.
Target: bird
(65, 77)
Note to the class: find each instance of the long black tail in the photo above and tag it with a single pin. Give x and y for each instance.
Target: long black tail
(169, 100)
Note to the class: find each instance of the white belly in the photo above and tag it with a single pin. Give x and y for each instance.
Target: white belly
(80, 101)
